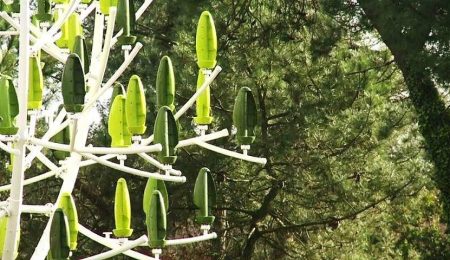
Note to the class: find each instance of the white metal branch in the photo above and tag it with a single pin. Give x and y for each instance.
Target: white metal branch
(119, 249)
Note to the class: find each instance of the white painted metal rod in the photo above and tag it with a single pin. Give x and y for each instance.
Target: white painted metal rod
(106, 47)
(33, 179)
(119, 249)
(56, 26)
(97, 150)
(203, 138)
(49, 164)
(136, 172)
(87, 11)
(192, 100)
(126, 150)
(226, 152)
(8, 138)
(183, 241)
(37, 209)
(114, 77)
(8, 149)
(7, 33)
(111, 243)
(3, 213)
(159, 165)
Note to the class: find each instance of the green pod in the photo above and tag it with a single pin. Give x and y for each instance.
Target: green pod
(75, 29)
(122, 210)
(166, 134)
(118, 89)
(10, 8)
(203, 104)
(61, 1)
(3, 229)
(73, 84)
(204, 196)
(150, 187)
(156, 221)
(86, 1)
(44, 13)
(67, 204)
(165, 84)
(59, 236)
(136, 106)
(245, 116)
(206, 41)
(126, 21)
(106, 4)
(36, 84)
(9, 107)
(80, 48)
(62, 137)
(117, 123)
(63, 41)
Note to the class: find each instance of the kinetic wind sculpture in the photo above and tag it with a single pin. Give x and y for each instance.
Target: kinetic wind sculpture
(59, 32)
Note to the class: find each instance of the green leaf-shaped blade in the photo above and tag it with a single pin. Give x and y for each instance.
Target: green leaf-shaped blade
(125, 21)
(36, 84)
(73, 84)
(206, 41)
(106, 4)
(156, 221)
(117, 123)
(150, 187)
(59, 236)
(245, 116)
(80, 48)
(67, 204)
(63, 41)
(136, 106)
(204, 196)
(122, 210)
(75, 29)
(203, 104)
(61, 1)
(165, 84)
(3, 228)
(166, 134)
(44, 11)
(8, 106)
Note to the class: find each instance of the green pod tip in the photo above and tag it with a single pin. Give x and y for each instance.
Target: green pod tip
(166, 134)
(204, 196)
(80, 48)
(165, 84)
(117, 123)
(245, 116)
(44, 11)
(122, 210)
(156, 221)
(67, 204)
(136, 106)
(106, 4)
(59, 236)
(206, 41)
(73, 84)
(150, 187)
(203, 104)
(36, 83)
(9, 106)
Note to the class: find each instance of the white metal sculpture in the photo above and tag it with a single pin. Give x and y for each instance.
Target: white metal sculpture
(25, 147)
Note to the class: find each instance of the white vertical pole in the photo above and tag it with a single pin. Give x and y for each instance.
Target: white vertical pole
(19, 165)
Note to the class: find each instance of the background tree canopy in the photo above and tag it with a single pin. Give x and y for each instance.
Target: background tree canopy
(352, 118)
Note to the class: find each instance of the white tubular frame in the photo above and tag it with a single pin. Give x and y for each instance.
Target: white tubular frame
(111, 243)
(68, 169)
(120, 249)
(16, 193)
(190, 240)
